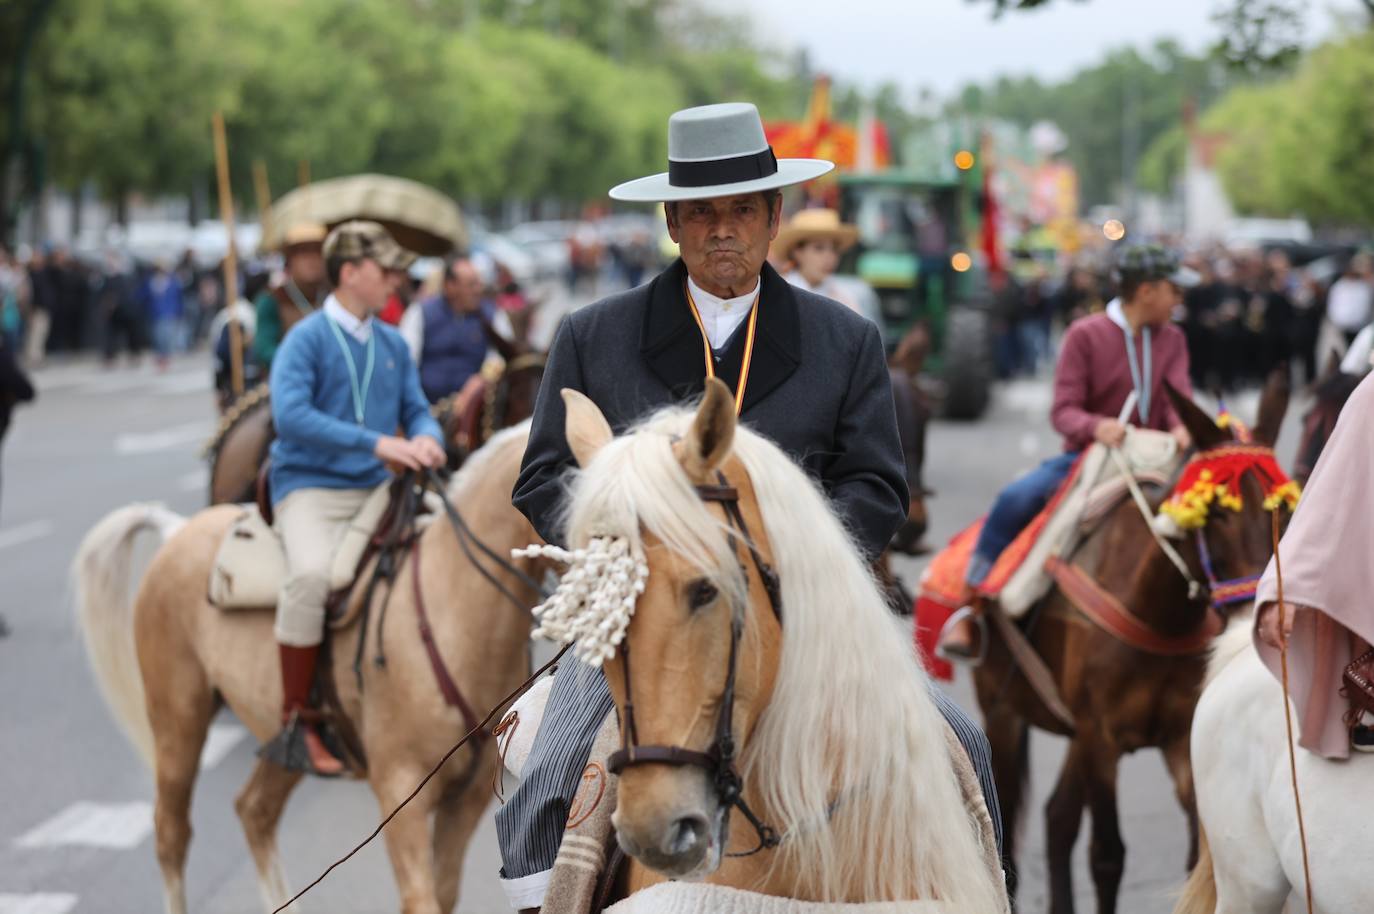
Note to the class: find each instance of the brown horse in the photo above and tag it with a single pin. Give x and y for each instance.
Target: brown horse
(168, 661)
(1330, 392)
(245, 433)
(759, 637)
(1121, 698)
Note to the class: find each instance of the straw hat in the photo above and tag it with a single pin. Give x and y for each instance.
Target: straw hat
(718, 151)
(303, 236)
(810, 224)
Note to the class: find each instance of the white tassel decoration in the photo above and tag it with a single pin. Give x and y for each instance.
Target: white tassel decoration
(595, 597)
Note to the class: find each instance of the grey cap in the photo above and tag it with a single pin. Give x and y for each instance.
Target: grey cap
(718, 151)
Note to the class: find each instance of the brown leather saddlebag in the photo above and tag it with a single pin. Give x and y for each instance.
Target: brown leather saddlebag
(1359, 686)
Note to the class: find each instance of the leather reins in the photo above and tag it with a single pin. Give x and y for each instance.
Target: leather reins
(719, 759)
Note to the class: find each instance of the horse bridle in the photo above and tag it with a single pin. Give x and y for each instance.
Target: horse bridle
(718, 760)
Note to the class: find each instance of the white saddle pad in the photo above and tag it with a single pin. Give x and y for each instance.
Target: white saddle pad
(698, 898)
(250, 566)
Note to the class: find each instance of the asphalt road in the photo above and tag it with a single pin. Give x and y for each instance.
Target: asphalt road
(75, 821)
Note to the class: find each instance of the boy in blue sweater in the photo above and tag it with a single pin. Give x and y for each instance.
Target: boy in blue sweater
(342, 384)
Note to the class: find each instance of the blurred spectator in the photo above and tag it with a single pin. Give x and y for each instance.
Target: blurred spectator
(167, 311)
(71, 304)
(14, 386)
(514, 303)
(14, 299)
(1351, 299)
(398, 297)
(43, 293)
(117, 302)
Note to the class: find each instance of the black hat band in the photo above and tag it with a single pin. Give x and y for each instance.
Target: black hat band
(735, 170)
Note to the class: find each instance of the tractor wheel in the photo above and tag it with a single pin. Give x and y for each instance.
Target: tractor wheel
(967, 358)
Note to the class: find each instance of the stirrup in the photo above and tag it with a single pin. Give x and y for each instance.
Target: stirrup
(960, 656)
(288, 748)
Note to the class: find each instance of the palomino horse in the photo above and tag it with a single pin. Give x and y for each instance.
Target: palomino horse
(167, 661)
(1253, 858)
(842, 751)
(245, 430)
(1122, 698)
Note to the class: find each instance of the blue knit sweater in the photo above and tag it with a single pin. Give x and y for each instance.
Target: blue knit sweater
(319, 443)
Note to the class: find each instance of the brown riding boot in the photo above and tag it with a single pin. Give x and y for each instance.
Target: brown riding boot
(297, 675)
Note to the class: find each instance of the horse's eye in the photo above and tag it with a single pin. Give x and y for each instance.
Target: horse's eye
(700, 593)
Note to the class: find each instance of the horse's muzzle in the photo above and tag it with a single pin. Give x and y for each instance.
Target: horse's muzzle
(679, 835)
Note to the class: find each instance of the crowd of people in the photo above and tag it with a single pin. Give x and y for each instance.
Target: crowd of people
(1250, 311)
(51, 301)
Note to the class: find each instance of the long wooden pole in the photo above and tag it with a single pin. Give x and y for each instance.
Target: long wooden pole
(263, 192)
(231, 260)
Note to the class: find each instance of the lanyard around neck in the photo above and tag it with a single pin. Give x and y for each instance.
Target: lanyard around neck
(748, 344)
(359, 389)
(1140, 377)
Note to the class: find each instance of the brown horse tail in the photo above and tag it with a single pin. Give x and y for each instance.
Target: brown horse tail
(1200, 892)
(102, 577)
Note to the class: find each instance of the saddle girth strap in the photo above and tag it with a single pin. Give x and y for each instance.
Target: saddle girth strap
(453, 696)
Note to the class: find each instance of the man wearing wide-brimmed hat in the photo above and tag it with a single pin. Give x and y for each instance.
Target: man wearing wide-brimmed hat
(807, 373)
(301, 291)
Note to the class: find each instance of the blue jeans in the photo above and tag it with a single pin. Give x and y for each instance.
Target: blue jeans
(1016, 506)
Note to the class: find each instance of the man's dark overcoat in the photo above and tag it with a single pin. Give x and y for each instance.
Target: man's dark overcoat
(818, 387)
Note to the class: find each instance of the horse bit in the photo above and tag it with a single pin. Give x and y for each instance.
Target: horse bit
(718, 760)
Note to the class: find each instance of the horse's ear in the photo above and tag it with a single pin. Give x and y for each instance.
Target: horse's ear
(1201, 427)
(712, 434)
(1272, 407)
(586, 428)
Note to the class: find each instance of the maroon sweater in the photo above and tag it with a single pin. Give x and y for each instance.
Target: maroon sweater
(1093, 378)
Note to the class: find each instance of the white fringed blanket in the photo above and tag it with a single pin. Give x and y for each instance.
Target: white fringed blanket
(696, 898)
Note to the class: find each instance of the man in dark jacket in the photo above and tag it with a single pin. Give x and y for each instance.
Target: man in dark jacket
(807, 372)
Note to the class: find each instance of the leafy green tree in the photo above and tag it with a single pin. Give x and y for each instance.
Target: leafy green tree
(1301, 145)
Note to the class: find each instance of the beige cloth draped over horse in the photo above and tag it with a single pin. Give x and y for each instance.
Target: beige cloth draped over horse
(590, 840)
(1099, 486)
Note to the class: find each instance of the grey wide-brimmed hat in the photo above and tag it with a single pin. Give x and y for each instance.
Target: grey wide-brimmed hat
(718, 151)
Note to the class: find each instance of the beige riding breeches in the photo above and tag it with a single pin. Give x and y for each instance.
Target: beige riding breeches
(311, 524)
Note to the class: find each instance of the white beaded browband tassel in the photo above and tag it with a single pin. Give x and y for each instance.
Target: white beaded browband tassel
(595, 597)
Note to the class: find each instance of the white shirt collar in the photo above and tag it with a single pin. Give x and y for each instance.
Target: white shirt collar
(721, 316)
(360, 330)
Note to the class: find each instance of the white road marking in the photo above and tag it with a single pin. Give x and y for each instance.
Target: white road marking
(37, 903)
(147, 442)
(25, 533)
(197, 481)
(118, 826)
(221, 741)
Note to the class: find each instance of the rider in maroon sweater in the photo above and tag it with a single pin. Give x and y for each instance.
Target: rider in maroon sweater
(1132, 347)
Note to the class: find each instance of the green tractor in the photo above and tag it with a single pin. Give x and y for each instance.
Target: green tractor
(912, 251)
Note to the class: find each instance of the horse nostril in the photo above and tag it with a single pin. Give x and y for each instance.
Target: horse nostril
(686, 835)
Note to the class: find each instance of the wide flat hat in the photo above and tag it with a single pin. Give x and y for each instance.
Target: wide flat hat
(809, 224)
(718, 151)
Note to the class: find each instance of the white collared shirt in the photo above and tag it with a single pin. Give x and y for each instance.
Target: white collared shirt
(360, 330)
(721, 316)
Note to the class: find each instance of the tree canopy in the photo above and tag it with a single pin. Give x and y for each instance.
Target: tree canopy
(485, 99)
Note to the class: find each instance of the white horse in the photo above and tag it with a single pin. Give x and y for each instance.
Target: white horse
(1251, 856)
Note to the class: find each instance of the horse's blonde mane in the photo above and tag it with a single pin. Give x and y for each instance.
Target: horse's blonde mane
(473, 472)
(851, 724)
